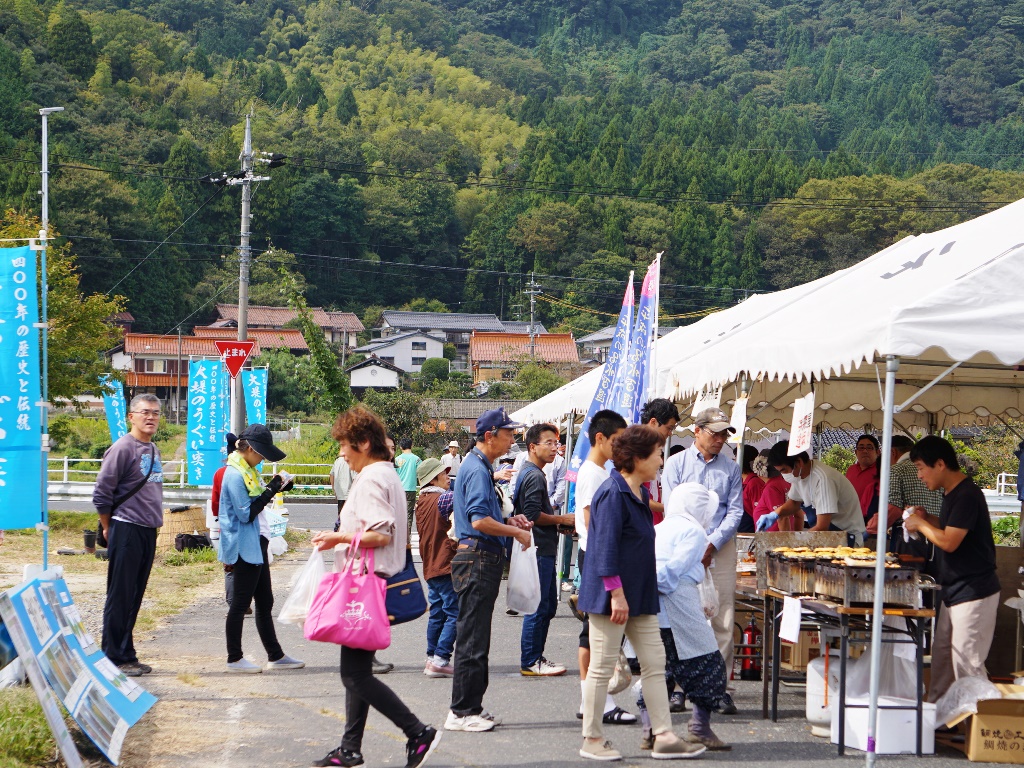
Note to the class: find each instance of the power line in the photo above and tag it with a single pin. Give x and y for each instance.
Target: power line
(183, 223)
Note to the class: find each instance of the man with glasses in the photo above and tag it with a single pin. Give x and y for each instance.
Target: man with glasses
(130, 500)
(703, 463)
(533, 502)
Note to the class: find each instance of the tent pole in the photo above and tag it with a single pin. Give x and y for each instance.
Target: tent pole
(742, 445)
(892, 364)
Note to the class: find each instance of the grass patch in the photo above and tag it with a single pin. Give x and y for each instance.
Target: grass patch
(25, 738)
(62, 520)
(189, 679)
(191, 557)
(296, 538)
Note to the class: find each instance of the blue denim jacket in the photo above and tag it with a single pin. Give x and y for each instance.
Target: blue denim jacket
(239, 535)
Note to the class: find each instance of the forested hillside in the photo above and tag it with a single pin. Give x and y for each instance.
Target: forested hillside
(442, 150)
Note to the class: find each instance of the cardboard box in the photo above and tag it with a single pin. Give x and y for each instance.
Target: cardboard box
(996, 733)
(897, 728)
(796, 656)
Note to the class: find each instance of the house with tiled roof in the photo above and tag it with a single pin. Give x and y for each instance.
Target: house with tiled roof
(407, 351)
(596, 345)
(494, 356)
(455, 327)
(338, 327)
(268, 338)
(373, 373)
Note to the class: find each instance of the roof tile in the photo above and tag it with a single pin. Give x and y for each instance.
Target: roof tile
(508, 347)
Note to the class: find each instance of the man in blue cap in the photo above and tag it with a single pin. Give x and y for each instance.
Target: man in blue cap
(477, 567)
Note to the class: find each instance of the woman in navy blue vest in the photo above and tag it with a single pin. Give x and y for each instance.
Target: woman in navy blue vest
(619, 590)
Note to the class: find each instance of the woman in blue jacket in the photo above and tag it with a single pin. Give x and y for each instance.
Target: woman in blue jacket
(619, 590)
(244, 535)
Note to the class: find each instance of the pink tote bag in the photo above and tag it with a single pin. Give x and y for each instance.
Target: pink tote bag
(348, 608)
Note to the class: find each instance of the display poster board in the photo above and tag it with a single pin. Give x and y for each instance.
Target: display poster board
(64, 663)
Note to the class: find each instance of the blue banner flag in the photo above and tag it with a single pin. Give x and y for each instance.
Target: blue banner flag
(612, 373)
(21, 454)
(634, 389)
(115, 406)
(207, 424)
(255, 383)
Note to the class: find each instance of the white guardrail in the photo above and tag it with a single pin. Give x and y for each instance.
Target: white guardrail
(1006, 484)
(68, 471)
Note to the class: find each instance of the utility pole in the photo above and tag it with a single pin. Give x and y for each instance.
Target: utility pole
(532, 290)
(245, 178)
(177, 382)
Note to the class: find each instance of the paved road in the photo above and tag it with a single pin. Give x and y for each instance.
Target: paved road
(210, 719)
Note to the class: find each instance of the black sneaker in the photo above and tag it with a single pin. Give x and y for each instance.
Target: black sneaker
(381, 667)
(677, 702)
(418, 750)
(340, 756)
(131, 669)
(146, 669)
(728, 706)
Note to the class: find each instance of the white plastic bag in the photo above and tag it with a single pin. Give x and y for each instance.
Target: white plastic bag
(962, 698)
(304, 586)
(523, 590)
(709, 595)
(897, 676)
(277, 546)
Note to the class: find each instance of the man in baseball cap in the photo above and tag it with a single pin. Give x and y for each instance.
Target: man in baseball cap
(452, 459)
(702, 463)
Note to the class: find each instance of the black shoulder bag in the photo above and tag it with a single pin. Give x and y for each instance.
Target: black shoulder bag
(101, 540)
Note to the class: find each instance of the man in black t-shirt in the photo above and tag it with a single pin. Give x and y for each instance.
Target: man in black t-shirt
(970, 587)
(532, 501)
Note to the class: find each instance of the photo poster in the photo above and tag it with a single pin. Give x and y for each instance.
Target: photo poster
(48, 633)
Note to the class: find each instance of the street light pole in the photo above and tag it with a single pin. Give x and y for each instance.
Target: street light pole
(45, 112)
(244, 254)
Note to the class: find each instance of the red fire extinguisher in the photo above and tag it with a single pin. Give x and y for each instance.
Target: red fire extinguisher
(750, 668)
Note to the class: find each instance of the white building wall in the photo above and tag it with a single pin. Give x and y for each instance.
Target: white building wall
(374, 376)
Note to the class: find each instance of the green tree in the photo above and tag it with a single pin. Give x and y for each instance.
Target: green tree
(535, 381)
(434, 369)
(333, 394)
(420, 304)
(346, 109)
(288, 381)
(404, 413)
(70, 43)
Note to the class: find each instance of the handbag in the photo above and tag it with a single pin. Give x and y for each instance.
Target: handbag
(184, 541)
(622, 675)
(404, 598)
(348, 607)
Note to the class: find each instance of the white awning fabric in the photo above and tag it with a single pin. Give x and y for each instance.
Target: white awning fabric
(956, 295)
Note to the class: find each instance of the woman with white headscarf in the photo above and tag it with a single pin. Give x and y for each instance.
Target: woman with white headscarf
(692, 657)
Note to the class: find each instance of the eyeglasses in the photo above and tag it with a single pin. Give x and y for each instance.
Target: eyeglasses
(148, 413)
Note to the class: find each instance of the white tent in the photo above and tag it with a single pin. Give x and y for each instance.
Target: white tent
(943, 311)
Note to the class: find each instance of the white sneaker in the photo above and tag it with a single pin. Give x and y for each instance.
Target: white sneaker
(243, 667)
(543, 668)
(470, 723)
(285, 662)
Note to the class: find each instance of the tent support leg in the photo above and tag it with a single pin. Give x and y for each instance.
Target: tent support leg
(892, 364)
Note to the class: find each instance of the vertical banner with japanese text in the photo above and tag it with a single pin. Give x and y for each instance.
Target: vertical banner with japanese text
(115, 407)
(634, 390)
(255, 383)
(611, 376)
(800, 433)
(21, 455)
(206, 420)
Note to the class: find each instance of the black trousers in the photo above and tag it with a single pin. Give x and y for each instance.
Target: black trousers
(130, 552)
(252, 581)
(362, 691)
(476, 576)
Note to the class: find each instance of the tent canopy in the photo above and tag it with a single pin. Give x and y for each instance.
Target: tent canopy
(956, 295)
(953, 296)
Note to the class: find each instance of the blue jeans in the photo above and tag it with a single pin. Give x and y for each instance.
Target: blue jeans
(444, 613)
(535, 626)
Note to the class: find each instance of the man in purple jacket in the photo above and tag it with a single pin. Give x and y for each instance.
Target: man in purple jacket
(129, 498)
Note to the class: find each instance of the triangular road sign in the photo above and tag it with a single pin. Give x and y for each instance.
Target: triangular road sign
(234, 354)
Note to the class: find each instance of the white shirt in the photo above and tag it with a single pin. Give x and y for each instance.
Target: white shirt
(452, 462)
(830, 493)
(589, 478)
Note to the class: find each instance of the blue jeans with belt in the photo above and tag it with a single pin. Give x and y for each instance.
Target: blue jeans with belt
(535, 625)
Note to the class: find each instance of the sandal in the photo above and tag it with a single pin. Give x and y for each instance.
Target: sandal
(618, 716)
